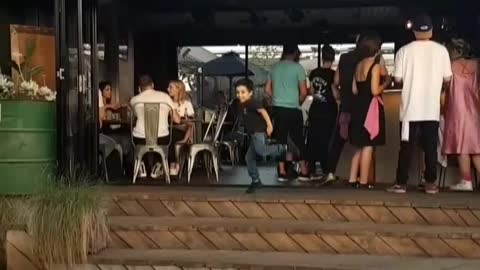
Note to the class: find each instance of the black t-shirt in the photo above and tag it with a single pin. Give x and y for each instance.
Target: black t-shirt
(252, 119)
(347, 65)
(321, 80)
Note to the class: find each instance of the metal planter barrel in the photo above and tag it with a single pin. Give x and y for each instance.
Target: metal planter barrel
(28, 153)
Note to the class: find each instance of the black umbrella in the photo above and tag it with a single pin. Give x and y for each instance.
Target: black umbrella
(229, 65)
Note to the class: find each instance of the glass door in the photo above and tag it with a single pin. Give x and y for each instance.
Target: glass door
(77, 98)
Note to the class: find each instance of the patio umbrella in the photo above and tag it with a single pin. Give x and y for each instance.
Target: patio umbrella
(229, 65)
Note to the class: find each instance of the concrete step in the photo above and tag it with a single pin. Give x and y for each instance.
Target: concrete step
(197, 259)
(334, 205)
(294, 235)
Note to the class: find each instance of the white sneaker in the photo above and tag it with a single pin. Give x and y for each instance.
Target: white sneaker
(143, 170)
(157, 170)
(330, 178)
(462, 186)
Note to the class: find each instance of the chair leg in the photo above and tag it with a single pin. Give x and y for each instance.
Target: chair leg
(232, 155)
(136, 169)
(206, 161)
(181, 165)
(105, 169)
(191, 161)
(120, 152)
(215, 164)
(166, 168)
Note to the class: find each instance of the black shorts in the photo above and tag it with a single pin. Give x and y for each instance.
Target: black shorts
(288, 122)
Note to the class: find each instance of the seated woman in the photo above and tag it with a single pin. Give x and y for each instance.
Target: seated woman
(120, 136)
(183, 106)
(107, 94)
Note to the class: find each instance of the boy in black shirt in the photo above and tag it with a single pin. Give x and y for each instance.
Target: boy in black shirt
(259, 126)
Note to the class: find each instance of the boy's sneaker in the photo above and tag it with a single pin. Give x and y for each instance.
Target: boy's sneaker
(431, 189)
(254, 186)
(462, 186)
(398, 189)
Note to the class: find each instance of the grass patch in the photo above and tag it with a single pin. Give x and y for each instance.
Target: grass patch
(66, 218)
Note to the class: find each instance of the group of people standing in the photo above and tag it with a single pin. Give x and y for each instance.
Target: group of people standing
(347, 106)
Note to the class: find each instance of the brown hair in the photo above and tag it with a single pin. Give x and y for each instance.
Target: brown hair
(182, 93)
(145, 82)
(369, 45)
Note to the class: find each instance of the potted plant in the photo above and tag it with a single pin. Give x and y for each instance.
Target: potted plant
(27, 126)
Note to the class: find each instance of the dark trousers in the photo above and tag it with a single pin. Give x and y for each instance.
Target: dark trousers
(288, 122)
(336, 147)
(320, 133)
(428, 139)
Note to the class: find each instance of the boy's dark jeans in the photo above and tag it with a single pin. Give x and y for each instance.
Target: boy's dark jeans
(259, 147)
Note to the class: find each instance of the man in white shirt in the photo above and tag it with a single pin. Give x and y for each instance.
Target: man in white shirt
(423, 66)
(149, 95)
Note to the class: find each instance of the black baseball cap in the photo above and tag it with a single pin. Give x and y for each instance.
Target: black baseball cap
(422, 23)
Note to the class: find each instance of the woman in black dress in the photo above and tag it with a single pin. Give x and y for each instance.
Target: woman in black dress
(367, 126)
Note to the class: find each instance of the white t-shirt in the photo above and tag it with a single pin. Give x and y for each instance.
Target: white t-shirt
(186, 107)
(423, 66)
(151, 96)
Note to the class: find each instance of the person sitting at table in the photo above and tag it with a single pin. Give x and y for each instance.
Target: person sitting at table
(184, 107)
(107, 94)
(148, 94)
(118, 135)
(106, 143)
(181, 134)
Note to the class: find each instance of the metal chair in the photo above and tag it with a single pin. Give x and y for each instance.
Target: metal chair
(231, 145)
(209, 145)
(103, 156)
(151, 118)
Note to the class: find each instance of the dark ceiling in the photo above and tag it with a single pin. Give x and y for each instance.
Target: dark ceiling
(338, 19)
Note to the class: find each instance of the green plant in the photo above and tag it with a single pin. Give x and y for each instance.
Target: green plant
(12, 216)
(13, 211)
(67, 219)
(25, 67)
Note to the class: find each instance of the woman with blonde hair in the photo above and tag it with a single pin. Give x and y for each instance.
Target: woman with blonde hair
(183, 106)
(462, 113)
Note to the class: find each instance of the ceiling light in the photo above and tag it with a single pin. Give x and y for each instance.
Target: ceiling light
(409, 25)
